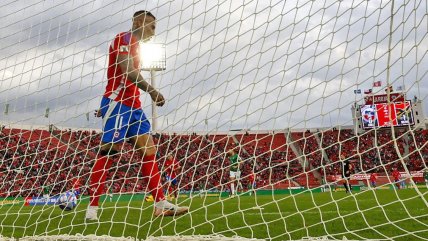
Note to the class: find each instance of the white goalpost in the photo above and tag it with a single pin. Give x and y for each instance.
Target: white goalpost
(286, 120)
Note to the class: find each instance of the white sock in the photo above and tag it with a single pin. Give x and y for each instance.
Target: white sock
(164, 204)
(93, 208)
(160, 204)
(91, 212)
(232, 186)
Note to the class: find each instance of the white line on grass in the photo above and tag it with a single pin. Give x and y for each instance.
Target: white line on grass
(311, 212)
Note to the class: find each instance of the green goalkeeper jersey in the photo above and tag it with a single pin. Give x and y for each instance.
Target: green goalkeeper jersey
(234, 163)
(46, 190)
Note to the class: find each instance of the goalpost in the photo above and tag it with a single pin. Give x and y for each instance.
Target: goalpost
(295, 88)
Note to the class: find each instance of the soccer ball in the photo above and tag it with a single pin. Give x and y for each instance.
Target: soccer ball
(67, 201)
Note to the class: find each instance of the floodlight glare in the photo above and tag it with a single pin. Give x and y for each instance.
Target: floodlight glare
(152, 56)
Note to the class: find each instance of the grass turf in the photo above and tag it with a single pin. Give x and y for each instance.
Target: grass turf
(380, 214)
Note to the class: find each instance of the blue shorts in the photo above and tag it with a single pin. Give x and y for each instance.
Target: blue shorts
(121, 121)
(169, 179)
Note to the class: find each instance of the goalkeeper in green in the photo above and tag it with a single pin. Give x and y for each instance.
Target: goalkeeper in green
(234, 172)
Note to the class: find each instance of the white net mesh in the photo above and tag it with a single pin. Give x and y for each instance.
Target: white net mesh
(294, 87)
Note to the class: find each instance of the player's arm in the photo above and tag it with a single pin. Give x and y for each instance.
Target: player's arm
(126, 64)
(97, 113)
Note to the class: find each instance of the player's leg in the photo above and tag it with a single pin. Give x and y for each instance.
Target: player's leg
(149, 168)
(170, 190)
(232, 183)
(238, 181)
(100, 170)
(174, 188)
(167, 183)
(170, 194)
(347, 185)
(98, 177)
(170, 187)
(145, 145)
(114, 116)
(254, 188)
(239, 187)
(201, 191)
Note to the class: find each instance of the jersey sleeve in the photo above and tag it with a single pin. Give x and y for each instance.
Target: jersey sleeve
(121, 43)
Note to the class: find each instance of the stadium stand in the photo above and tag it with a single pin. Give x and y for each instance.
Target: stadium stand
(33, 159)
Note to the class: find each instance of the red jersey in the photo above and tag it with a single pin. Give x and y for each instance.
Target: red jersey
(252, 177)
(119, 88)
(170, 168)
(373, 177)
(396, 174)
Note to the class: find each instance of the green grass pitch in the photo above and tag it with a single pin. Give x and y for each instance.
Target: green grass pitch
(380, 214)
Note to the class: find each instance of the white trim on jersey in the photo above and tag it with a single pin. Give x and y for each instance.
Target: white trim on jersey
(116, 92)
(112, 44)
(110, 109)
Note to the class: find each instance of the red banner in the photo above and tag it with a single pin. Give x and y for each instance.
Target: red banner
(386, 115)
(376, 99)
(367, 176)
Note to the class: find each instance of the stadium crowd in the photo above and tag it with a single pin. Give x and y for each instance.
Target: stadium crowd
(31, 160)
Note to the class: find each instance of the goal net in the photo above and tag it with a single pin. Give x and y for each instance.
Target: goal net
(323, 104)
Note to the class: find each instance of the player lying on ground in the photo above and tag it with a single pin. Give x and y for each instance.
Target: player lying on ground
(123, 117)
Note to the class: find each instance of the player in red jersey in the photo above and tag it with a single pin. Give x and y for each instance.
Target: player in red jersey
(252, 183)
(123, 117)
(373, 178)
(397, 176)
(171, 166)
